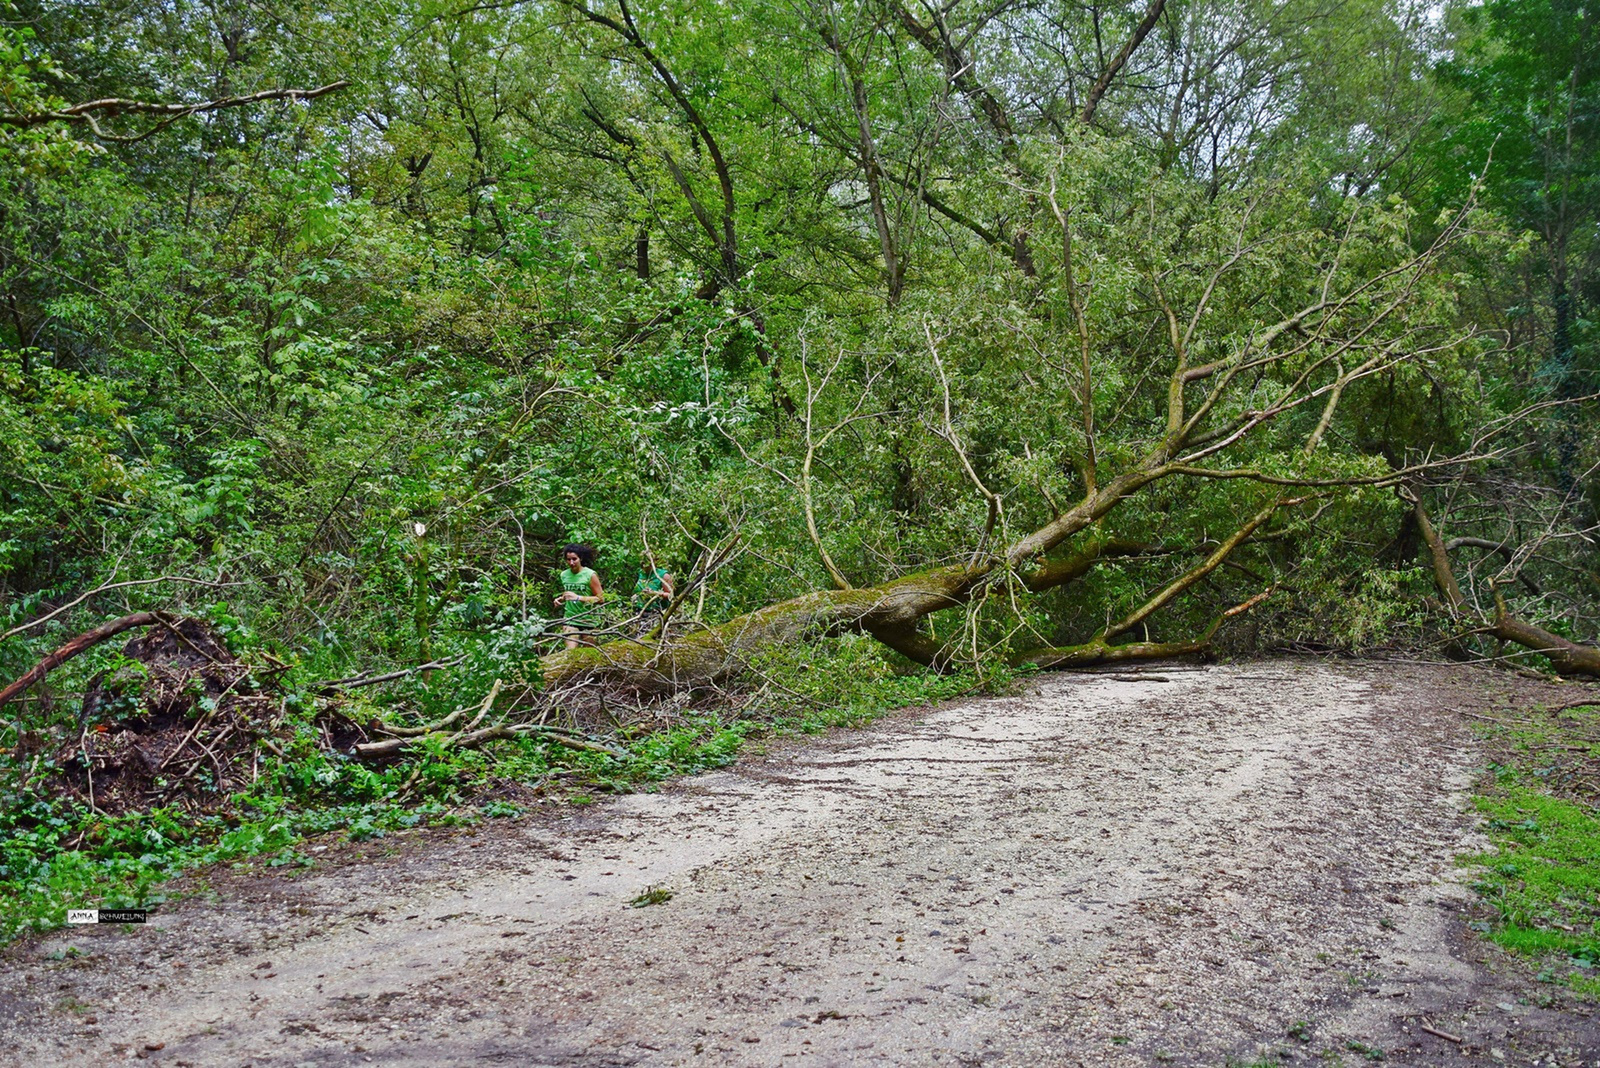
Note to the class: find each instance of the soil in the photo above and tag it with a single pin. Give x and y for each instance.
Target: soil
(179, 722)
(1184, 866)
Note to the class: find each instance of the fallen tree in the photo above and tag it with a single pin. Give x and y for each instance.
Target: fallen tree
(1232, 391)
(1566, 656)
(1307, 360)
(1267, 398)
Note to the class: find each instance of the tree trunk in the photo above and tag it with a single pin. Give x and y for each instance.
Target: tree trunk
(712, 655)
(1567, 657)
(890, 612)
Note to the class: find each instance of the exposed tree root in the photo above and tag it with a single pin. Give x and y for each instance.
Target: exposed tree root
(179, 723)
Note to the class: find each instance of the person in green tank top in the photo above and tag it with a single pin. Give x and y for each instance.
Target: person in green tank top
(581, 596)
(652, 592)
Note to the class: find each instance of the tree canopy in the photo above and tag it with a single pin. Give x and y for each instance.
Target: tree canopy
(1008, 332)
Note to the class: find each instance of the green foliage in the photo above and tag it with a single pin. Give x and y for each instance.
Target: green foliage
(746, 286)
(655, 895)
(844, 681)
(1527, 126)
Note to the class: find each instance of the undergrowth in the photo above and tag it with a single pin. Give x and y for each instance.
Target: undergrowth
(1542, 879)
(56, 855)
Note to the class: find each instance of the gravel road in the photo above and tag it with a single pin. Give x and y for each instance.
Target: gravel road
(1185, 866)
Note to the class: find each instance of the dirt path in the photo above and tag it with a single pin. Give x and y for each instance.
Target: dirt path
(1182, 867)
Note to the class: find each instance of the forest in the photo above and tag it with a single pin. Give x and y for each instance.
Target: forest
(926, 343)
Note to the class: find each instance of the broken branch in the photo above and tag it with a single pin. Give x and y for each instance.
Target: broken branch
(87, 640)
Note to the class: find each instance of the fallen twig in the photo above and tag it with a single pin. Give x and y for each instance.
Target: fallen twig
(394, 748)
(198, 723)
(417, 732)
(357, 681)
(483, 709)
(88, 764)
(1436, 1033)
(1501, 722)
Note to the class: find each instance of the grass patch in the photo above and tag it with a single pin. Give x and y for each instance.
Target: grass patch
(1541, 881)
(656, 895)
(1371, 1053)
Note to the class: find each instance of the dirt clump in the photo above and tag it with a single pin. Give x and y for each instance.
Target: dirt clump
(179, 721)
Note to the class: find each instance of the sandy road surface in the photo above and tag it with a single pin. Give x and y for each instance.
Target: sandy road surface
(1180, 867)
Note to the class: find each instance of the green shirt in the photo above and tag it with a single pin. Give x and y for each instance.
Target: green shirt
(577, 613)
(646, 585)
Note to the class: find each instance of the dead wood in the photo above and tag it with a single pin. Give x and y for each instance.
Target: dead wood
(713, 654)
(1099, 651)
(1567, 657)
(180, 723)
(404, 740)
(355, 682)
(890, 612)
(395, 748)
(87, 640)
(1436, 1033)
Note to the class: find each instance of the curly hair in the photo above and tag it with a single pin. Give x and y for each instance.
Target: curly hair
(585, 554)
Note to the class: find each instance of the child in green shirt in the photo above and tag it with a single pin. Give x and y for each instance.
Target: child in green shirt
(581, 596)
(652, 592)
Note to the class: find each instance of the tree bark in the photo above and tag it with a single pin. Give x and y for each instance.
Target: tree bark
(1567, 657)
(890, 612)
(1094, 653)
(711, 655)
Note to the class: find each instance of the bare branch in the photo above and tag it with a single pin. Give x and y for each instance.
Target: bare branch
(1140, 32)
(948, 433)
(90, 112)
(1194, 575)
(1081, 324)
